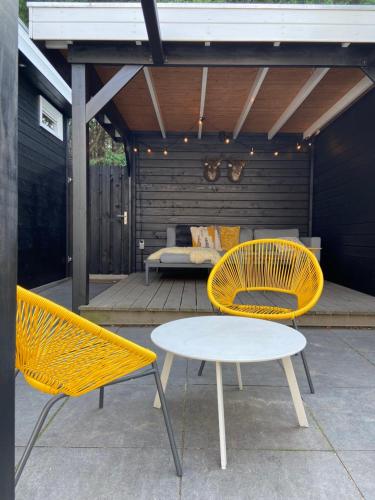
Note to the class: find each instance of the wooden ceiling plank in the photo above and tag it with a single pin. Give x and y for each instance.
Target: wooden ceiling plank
(261, 75)
(203, 100)
(110, 89)
(304, 92)
(155, 100)
(354, 93)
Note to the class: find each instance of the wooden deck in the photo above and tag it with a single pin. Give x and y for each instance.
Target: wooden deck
(131, 302)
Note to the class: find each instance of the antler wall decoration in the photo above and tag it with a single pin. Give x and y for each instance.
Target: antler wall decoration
(211, 170)
(235, 170)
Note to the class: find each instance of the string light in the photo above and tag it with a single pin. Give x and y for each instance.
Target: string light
(227, 140)
(252, 152)
(135, 149)
(200, 121)
(276, 153)
(298, 146)
(186, 139)
(165, 151)
(149, 150)
(310, 144)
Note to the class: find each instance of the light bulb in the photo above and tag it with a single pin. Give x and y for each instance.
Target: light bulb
(276, 153)
(298, 146)
(186, 140)
(227, 140)
(149, 150)
(165, 152)
(251, 152)
(135, 149)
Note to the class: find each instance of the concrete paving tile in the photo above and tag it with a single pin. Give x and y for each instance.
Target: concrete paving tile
(128, 419)
(346, 416)
(334, 364)
(29, 404)
(264, 374)
(255, 418)
(361, 340)
(361, 466)
(266, 475)
(98, 474)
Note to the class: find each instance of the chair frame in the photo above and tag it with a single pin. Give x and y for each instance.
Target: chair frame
(51, 402)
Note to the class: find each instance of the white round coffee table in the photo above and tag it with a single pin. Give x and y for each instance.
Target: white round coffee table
(231, 339)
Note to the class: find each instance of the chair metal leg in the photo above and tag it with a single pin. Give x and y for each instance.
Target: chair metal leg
(305, 365)
(167, 421)
(200, 371)
(101, 397)
(35, 434)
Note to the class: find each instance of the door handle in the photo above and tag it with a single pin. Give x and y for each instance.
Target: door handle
(124, 217)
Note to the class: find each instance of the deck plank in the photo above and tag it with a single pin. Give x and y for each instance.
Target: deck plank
(160, 298)
(189, 297)
(148, 292)
(203, 302)
(107, 297)
(173, 303)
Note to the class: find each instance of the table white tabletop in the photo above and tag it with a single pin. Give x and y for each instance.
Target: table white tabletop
(228, 339)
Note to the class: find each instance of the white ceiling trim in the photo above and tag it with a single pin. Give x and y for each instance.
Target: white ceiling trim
(259, 79)
(301, 96)
(184, 22)
(354, 93)
(41, 63)
(155, 100)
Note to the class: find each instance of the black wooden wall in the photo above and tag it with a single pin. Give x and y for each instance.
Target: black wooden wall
(344, 197)
(42, 195)
(273, 193)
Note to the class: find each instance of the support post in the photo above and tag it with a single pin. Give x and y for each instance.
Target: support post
(311, 187)
(80, 281)
(8, 237)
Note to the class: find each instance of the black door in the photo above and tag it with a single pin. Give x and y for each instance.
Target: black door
(109, 210)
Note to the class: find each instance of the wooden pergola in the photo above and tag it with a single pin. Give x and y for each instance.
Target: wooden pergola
(164, 68)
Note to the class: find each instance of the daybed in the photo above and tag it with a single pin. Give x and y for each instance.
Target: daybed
(177, 253)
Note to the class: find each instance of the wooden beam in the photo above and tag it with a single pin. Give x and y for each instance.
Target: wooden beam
(80, 276)
(110, 89)
(8, 237)
(155, 100)
(259, 79)
(360, 88)
(303, 93)
(228, 54)
(370, 72)
(203, 100)
(117, 121)
(150, 13)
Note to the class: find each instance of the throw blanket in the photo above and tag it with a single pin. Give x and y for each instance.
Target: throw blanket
(197, 255)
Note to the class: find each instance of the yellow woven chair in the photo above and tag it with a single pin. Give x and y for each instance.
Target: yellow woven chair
(267, 265)
(63, 354)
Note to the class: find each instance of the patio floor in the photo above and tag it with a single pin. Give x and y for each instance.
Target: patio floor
(122, 452)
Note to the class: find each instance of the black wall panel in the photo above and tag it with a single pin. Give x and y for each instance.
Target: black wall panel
(344, 197)
(273, 193)
(42, 195)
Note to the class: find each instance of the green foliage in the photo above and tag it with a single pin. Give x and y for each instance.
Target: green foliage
(103, 150)
(24, 11)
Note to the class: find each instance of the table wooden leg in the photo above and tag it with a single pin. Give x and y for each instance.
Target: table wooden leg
(239, 376)
(294, 390)
(220, 406)
(164, 376)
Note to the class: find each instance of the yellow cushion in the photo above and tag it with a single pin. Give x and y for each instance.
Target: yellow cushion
(229, 236)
